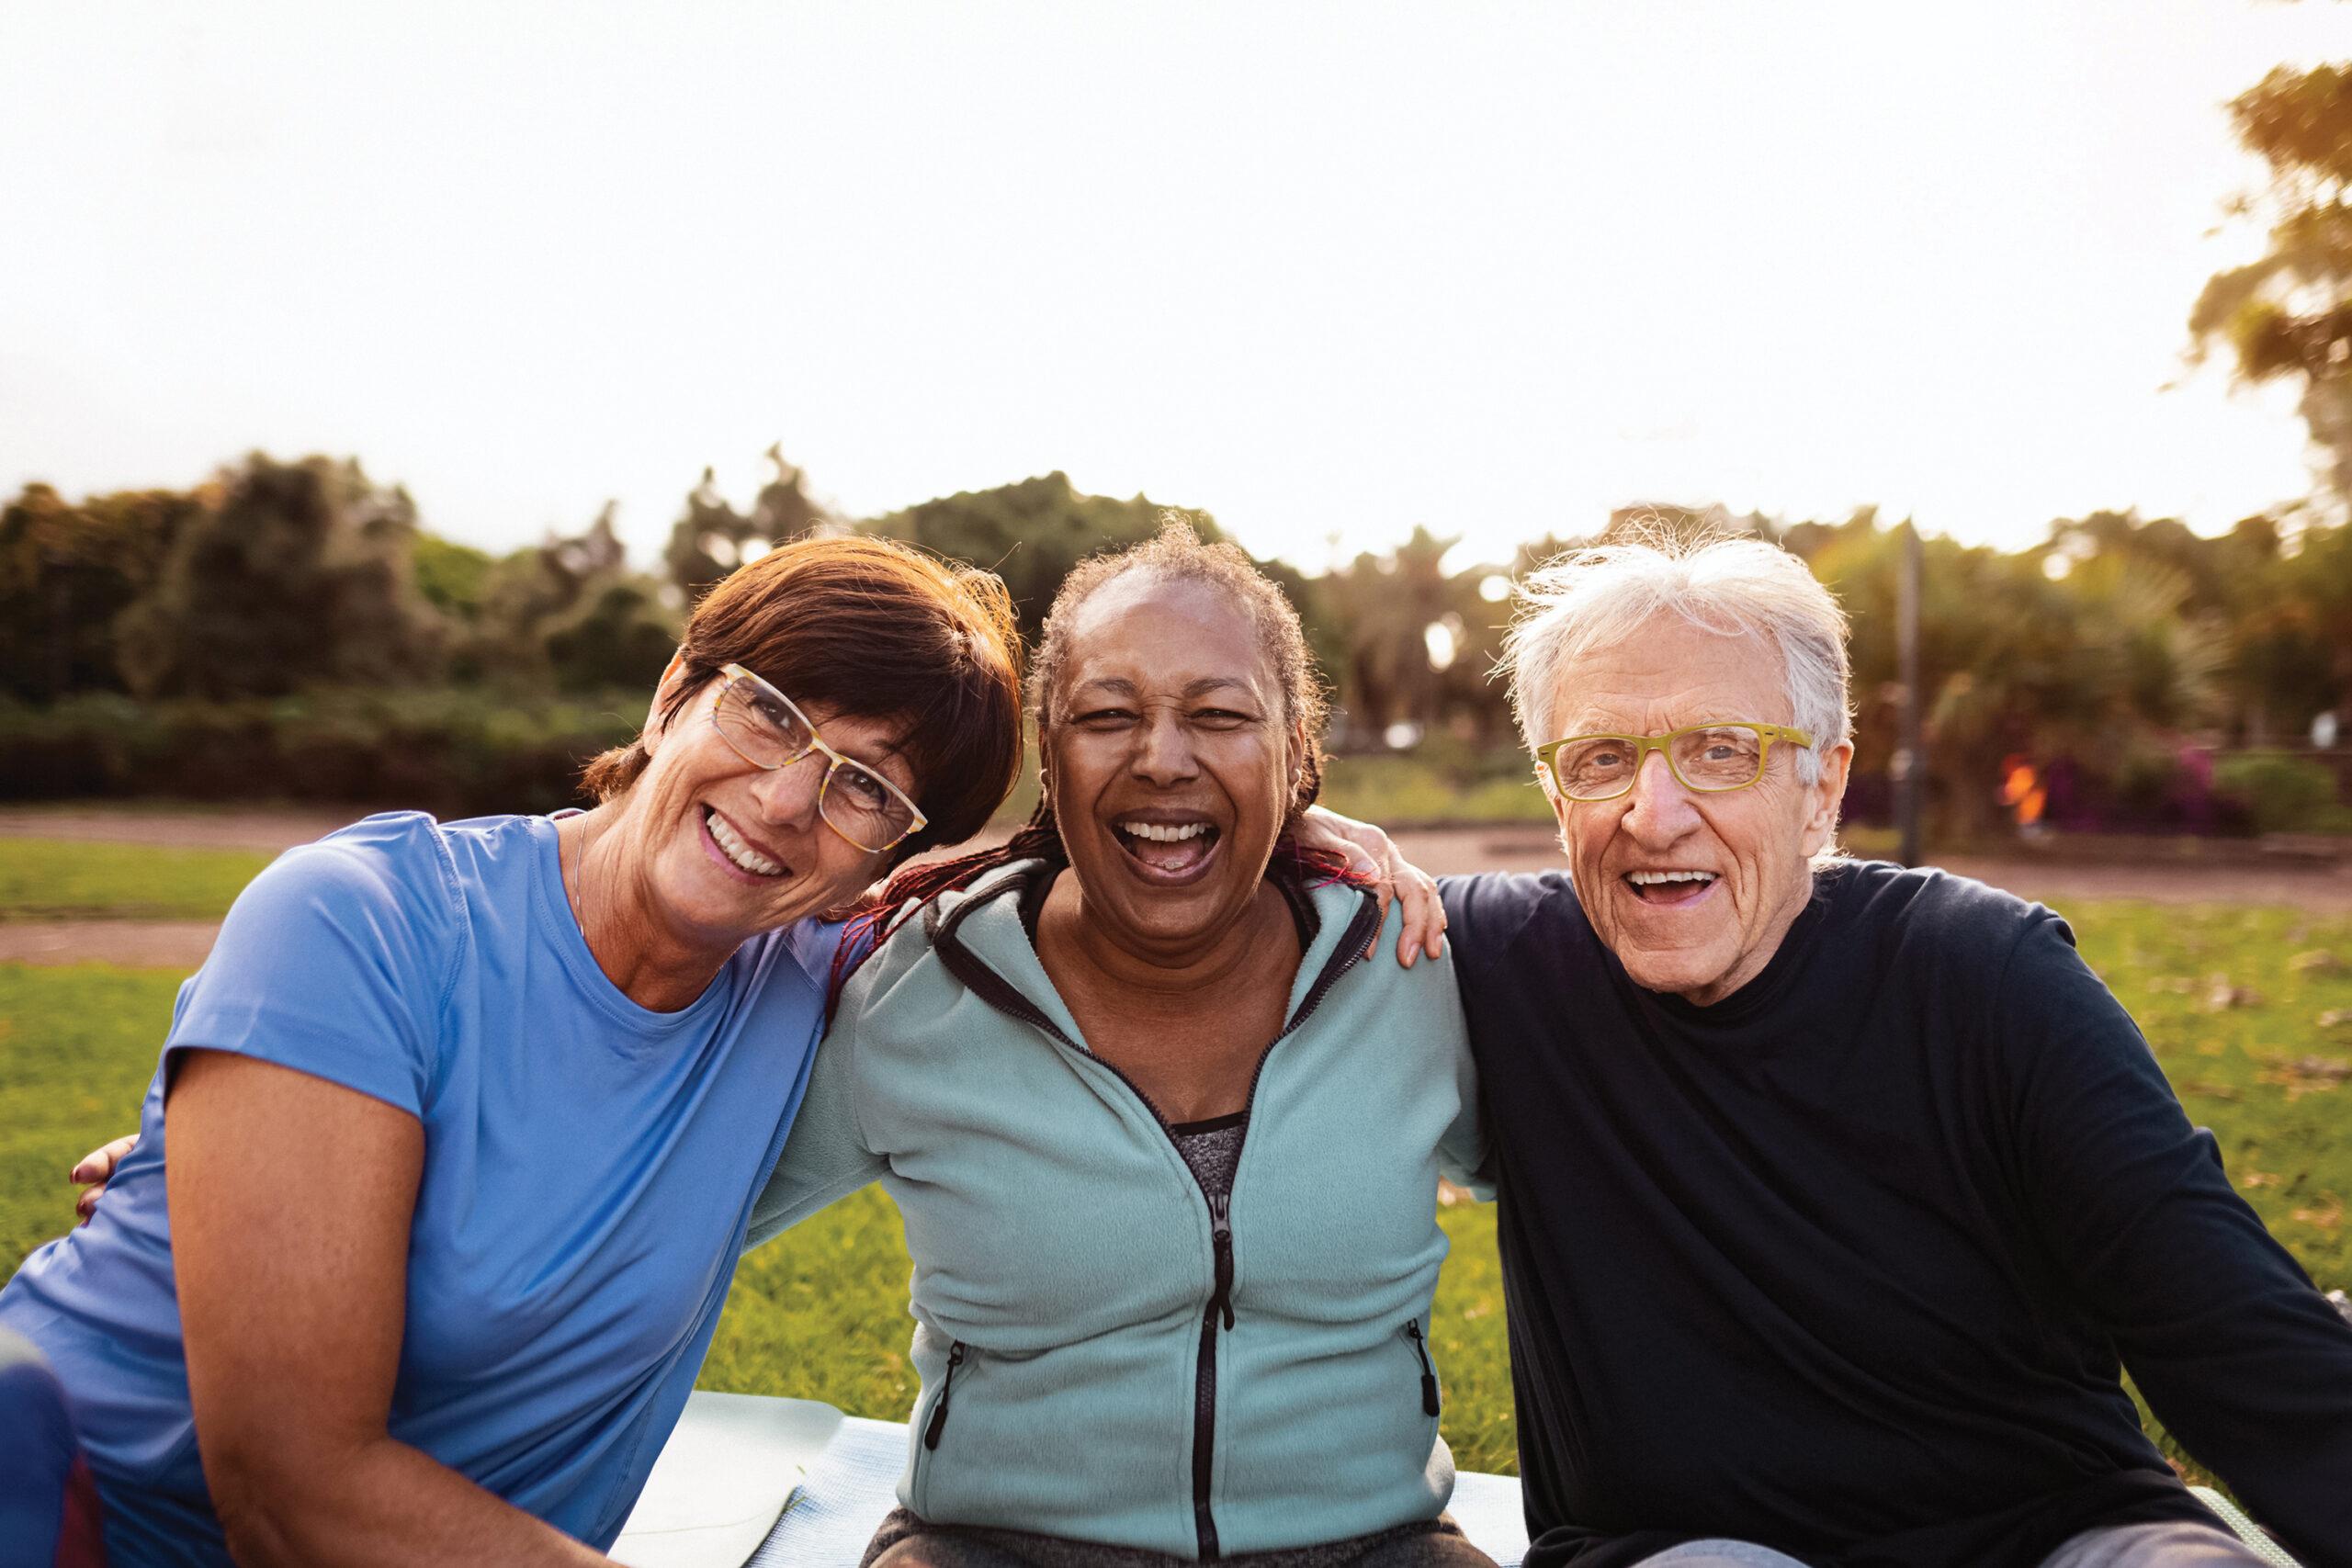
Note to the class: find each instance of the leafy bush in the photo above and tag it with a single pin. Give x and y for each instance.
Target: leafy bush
(452, 751)
(2282, 793)
(1429, 785)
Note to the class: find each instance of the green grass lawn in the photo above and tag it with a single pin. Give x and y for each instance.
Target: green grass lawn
(2250, 1012)
(56, 879)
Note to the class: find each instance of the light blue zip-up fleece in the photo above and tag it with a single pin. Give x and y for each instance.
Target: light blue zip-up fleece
(1067, 1260)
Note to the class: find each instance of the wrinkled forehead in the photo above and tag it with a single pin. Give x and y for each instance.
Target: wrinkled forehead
(1144, 631)
(1668, 673)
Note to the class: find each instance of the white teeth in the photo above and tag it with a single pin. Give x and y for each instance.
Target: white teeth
(1161, 835)
(1652, 878)
(742, 853)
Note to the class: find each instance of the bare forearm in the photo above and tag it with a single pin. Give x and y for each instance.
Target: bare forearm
(381, 1501)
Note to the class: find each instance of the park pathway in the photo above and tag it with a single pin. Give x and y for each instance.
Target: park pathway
(2211, 873)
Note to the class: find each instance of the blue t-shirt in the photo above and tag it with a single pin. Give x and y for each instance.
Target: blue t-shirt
(589, 1169)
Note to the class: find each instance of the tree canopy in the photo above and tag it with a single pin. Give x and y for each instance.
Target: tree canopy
(2288, 315)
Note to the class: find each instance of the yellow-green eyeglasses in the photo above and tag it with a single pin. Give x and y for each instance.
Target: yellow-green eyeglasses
(1709, 758)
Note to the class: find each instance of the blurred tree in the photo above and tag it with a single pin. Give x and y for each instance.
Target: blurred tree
(2247, 594)
(621, 634)
(451, 576)
(1030, 533)
(67, 572)
(295, 574)
(569, 613)
(711, 538)
(1033, 532)
(2101, 661)
(2283, 671)
(1418, 644)
(2289, 315)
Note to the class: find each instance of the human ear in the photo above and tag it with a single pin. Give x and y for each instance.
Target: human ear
(673, 675)
(1826, 794)
(1559, 805)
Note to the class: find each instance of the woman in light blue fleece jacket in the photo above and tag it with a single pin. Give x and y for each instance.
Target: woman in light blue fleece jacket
(1166, 1147)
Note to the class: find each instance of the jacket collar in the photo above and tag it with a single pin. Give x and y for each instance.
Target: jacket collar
(979, 936)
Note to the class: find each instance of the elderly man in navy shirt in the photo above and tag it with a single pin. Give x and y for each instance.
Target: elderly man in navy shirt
(1836, 1196)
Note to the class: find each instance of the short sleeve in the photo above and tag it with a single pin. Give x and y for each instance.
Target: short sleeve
(335, 961)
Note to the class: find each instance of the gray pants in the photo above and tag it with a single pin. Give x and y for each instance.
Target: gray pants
(908, 1541)
(2169, 1543)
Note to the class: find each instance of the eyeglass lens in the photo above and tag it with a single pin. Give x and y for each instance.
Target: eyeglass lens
(862, 808)
(1729, 756)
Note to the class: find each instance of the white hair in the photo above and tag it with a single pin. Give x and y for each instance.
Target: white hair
(1586, 598)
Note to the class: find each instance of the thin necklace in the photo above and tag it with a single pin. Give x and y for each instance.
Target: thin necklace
(579, 875)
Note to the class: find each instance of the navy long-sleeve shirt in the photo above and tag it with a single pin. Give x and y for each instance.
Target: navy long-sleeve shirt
(1844, 1264)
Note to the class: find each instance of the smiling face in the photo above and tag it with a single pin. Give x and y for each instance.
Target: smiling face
(1691, 891)
(724, 850)
(1169, 762)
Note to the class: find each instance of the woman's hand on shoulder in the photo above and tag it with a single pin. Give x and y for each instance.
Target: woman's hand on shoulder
(1371, 853)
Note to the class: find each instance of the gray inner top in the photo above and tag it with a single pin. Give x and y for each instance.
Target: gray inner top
(1213, 1149)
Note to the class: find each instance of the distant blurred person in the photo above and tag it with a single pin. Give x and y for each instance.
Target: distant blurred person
(49, 1504)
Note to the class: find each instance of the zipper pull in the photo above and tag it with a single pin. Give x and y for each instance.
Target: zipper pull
(938, 1422)
(1221, 1236)
(1429, 1373)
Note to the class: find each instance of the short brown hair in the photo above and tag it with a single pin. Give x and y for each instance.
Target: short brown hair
(881, 630)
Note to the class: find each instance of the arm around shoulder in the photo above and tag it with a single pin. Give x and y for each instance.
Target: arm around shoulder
(825, 1156)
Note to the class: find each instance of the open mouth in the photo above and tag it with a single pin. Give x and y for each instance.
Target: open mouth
(735, 853)
(1168, 849)
(1669, 886)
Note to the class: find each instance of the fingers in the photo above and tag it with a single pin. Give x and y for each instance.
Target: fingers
(94, 1171)
(1424, 922)
(1422, 928)
(1363, 865)
(98, 1166)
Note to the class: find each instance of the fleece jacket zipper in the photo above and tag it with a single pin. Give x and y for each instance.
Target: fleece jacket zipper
(1006, 998)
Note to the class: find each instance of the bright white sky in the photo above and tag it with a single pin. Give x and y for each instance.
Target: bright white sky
(1328, 271)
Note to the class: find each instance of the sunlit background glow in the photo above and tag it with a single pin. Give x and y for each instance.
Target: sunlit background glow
(1327, 271)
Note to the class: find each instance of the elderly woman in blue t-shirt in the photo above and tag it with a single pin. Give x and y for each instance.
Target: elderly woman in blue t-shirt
(512, 1060)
